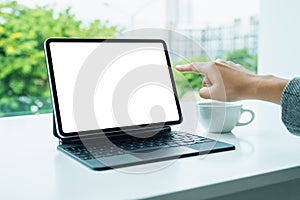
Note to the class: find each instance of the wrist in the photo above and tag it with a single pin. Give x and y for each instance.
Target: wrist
(250, 87)
(268, 88)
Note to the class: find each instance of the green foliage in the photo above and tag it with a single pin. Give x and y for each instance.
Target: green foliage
(187, 82)
(23, 75)
(243, 58)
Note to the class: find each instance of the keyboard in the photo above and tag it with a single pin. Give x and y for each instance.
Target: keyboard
(134, 145)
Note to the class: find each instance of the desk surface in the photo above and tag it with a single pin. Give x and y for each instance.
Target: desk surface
(32, 168)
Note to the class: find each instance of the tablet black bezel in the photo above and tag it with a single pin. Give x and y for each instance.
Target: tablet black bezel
(58, 123)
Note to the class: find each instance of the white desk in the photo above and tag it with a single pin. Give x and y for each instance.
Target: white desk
(32, 168)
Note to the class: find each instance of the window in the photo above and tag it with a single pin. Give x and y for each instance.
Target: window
(227, 29)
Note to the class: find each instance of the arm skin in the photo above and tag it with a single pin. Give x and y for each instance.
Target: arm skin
(227, 81)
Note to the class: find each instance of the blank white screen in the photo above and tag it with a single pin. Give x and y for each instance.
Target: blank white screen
(68, 59)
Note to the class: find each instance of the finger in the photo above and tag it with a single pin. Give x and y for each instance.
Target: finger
(187, 68)
(228, 64)
(199, 67)
(222, 62)
(206, 82)
(205, 93)
(231, 63)
(234, 66)
(219, 60)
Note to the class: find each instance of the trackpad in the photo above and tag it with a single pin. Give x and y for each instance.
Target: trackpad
(165, 153)
(118, 160)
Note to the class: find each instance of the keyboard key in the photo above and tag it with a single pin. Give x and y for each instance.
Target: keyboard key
(136, 145)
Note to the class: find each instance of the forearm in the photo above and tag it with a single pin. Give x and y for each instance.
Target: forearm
(268, 88)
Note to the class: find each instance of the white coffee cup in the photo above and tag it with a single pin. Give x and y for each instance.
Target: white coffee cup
(222, 117)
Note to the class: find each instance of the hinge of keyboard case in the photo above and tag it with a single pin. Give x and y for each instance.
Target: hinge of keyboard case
(77, 140)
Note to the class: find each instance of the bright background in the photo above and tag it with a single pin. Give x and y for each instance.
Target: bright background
(279, 38)
(248, 32)
(133, 14)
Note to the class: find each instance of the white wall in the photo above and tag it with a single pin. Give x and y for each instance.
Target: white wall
(279, 43)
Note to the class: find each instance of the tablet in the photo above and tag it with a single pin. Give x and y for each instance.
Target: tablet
(109, 85)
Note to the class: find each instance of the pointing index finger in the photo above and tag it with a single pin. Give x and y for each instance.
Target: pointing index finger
(198, 67)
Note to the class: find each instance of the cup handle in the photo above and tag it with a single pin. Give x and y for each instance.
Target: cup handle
(252, 117)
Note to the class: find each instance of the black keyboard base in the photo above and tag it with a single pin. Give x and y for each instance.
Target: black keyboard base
(121, 152)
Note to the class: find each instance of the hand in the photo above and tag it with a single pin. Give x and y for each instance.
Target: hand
(227, 81)
(224, 81)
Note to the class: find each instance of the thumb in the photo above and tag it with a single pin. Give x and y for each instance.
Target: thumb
(205, 93)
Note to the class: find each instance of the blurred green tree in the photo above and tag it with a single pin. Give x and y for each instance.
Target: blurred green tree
(242, 57)
(23, 76)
